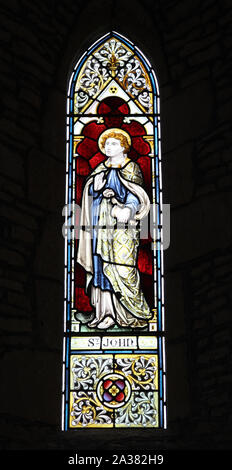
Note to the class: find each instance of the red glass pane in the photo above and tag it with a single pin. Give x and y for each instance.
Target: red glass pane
(120, 397)
(134, 128)
(145, 241)
(113, 105)
(148, 288)
(113, 109)
(123, 108)
(79, 188)
(82, 166)
(87, 148)
(107, 384)
(82, 300)
(98, 158)
(79, 276)
(113, 121)
(145, 166)
(141, 146)
(145, 260)
(133, 154)
(103, 108)
(93, 130)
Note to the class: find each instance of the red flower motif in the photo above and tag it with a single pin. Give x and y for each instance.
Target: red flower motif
(113, 390)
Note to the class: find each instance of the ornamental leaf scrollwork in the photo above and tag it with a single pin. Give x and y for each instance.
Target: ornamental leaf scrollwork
(140, 371)
(90, 83)
(87, 411)
(86, 370)
(140, 411)
(112, 60)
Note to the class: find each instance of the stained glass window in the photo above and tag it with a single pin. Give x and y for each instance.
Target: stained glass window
(114, 373)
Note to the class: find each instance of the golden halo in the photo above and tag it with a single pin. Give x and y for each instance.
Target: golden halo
(110, 131)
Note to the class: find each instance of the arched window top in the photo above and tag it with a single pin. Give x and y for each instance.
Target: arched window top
(114, 347)
(113, 60)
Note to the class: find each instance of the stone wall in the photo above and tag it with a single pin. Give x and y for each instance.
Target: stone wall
(189, 43)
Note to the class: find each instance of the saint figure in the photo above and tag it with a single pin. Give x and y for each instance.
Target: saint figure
(113, 203)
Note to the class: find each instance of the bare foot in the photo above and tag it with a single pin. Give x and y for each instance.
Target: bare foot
(93, 323)
(106, 323)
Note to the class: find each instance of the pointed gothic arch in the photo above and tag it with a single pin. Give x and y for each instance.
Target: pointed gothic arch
(114, 373)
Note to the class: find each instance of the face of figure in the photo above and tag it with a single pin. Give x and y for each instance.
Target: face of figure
(113, 147)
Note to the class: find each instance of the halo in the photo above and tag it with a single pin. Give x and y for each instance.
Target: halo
(109, 131)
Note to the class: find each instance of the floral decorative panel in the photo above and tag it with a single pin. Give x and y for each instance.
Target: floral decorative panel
(114, 390)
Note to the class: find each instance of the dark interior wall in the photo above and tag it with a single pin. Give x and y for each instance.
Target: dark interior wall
(189, 44)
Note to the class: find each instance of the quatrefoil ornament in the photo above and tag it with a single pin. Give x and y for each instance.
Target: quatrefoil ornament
(113, 390)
